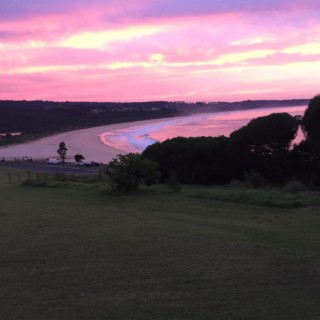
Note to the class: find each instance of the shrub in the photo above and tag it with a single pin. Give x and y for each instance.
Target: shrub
(254, 179)
(172, 182)
(127, 171)
(237, 184)
(78, 157)
(294, 186)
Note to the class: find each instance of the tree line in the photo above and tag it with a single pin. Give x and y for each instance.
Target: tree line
(34, 119)
(262, 149)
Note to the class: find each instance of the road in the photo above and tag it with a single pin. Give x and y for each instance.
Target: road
(40, 167)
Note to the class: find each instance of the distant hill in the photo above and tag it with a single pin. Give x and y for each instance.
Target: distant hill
(34, 119)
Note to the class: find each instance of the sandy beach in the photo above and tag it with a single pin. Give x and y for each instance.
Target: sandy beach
(84, 141)
(131, 136)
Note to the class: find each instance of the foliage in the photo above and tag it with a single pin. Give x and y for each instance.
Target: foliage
(62, 151)
(311, 119)
(199, 160)
(311, 127)
(42, 118)
(294, 186)
(266, 135)
(78, 157)
(237, 184)
(254, 179)
(263, 197)
(301, 159)
(172, 182)
(263, 146)
(127, 171)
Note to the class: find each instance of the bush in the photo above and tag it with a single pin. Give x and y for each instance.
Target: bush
(237, 184)
(172, 182)
(294, 186)
(254, 179)
(78, 157)
(127, 171)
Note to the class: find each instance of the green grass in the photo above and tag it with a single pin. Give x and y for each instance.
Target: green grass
(262, 197)
(74, 252)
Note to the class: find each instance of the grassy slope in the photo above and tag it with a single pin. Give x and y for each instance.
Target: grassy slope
(70, 253)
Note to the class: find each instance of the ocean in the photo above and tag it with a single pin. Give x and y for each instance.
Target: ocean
(137, 138)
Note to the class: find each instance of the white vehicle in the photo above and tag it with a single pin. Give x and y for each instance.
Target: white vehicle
(83, 163)
(79, 163)
(53, 161)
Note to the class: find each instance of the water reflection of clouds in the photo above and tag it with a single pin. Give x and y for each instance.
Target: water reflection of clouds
(133, 139)
(137, 138)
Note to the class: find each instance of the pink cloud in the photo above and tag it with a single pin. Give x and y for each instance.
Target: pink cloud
(122, 53)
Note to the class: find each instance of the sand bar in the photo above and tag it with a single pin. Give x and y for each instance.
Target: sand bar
(83, 141)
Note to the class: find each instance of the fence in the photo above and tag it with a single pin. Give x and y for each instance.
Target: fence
(15, 159)
(18, 177)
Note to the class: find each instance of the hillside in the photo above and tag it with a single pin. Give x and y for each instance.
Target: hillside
(74, 252)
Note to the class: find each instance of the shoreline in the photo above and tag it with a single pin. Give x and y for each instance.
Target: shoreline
(83, 141)
(90, 142)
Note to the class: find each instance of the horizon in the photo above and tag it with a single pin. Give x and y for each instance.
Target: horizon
(154, 101)
(161, 50)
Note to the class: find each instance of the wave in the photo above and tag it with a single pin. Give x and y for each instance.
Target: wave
(137, 138)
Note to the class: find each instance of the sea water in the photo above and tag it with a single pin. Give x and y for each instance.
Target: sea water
(137, 138)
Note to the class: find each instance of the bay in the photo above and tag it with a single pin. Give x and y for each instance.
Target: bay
(137, 138)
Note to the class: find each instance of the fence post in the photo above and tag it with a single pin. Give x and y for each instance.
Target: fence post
(29, 175)
(9, 176)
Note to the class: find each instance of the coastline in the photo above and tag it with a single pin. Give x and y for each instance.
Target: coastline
(92, 144)
(83, 141)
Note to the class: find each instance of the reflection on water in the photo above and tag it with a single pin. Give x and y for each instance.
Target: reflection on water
(137, 138)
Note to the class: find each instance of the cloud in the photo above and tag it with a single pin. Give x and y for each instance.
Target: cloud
(167, 8)
(21, 9)
(309, 48)
(137, 10)
(90, 40)
(142, 50)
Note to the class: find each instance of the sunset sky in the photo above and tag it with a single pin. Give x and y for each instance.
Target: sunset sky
(138, 50)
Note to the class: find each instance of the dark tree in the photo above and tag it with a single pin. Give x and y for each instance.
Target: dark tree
(62, 151)
(199, 160)
(126, 172)
(311, 126)
(311, 120)
(302, 161)
(78, 157)
(263, 146)
(267, 135)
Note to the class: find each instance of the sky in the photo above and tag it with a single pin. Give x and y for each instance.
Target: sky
(143, 50)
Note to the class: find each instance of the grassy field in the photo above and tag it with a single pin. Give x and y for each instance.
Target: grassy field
(74, 252)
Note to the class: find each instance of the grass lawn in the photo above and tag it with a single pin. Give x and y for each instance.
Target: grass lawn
(78, 253)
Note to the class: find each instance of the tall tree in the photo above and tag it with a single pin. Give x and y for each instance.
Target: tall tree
(267, 135)
(311, 127)
(311, 120)
(62, 151)
(263, 145)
